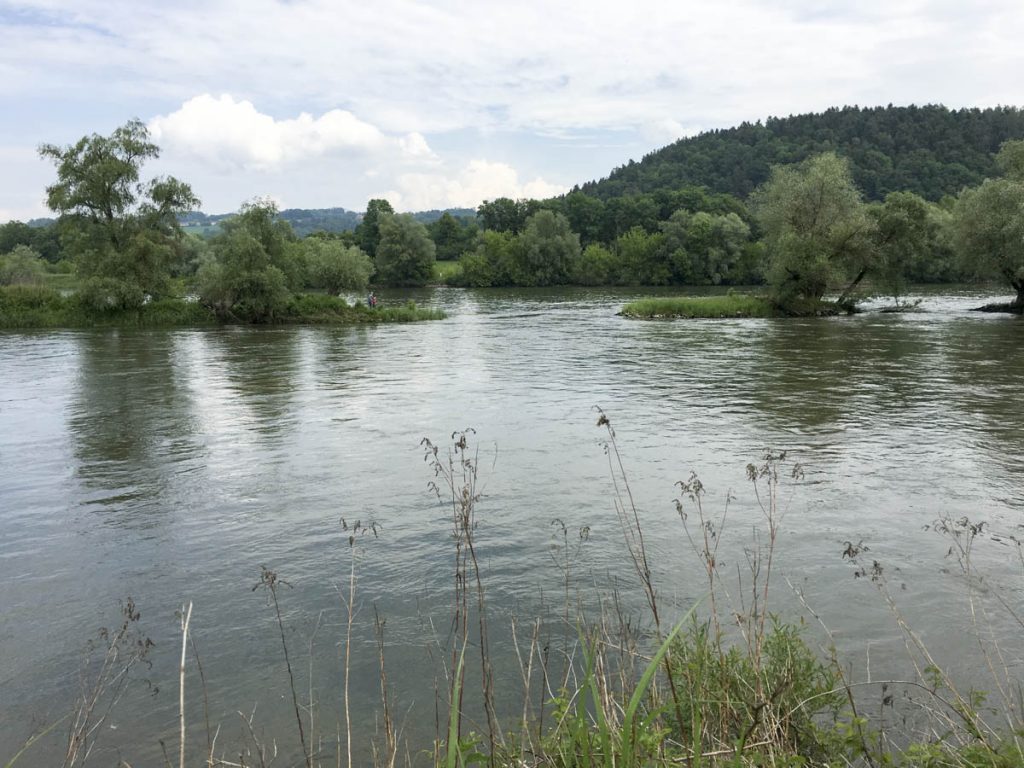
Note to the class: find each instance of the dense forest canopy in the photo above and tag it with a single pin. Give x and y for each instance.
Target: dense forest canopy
(929, 150)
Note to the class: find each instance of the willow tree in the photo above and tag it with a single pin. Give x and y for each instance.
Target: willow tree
(123, 232)
(816, 228)
(405, 253)
(988, 224)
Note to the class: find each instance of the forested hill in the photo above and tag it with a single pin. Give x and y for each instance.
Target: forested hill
(930, 150)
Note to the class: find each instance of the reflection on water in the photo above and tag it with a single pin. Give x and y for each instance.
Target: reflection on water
(172, 465)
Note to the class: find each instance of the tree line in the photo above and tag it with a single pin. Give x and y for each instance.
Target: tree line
(806, 230)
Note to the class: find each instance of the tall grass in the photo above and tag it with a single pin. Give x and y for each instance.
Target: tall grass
(730, 305)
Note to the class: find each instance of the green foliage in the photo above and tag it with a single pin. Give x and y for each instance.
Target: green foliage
(335, 267)
(242, 282)
(405, 255)
(776, 691)
(729, 305)
(107, 294)
(448, 272)
(255, 264)
(549, 249)
(596, 266)
(99, 303)
(988, 231)
(706, 248)
(903, 236)
(319, 308)
(476, 268)
(43, 240)
(505, 214)
(929, 150)
(641, 258)
(586, 216)
(22, 266)
(451, 237)
(815, 227)
(368, 232)
(116, 226)
(1010, 160)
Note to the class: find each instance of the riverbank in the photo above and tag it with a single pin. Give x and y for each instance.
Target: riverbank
(31, 307)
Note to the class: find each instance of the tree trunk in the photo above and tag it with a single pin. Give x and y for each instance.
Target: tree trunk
(851, 286)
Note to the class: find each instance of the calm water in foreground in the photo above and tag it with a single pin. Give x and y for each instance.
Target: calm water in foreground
(170, 465)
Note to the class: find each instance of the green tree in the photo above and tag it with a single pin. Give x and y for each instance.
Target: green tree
(596, 266)
(335, 267)
(586, 216)
(706, 248)
(496, 261)
(988, 232)
(1010, 160)
(815, 226)
(503, 214)
(14, 233)
(549, 249)
(902, 237)
(641, 258)
(447, 236)
(22, 266)
(368, 231)
(405, 254)
(255, 262)
(115, 226)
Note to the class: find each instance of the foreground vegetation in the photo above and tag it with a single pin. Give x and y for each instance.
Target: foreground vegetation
(726, 684)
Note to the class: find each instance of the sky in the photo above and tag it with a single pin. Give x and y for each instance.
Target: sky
(325, 103)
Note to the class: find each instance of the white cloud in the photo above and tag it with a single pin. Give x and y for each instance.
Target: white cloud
(234, 134)
(666, 130)
(531, 65)
(480, 180)
(324, 94)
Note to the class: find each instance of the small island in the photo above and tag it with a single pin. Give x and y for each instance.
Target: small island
(728, 305)
(129, 263)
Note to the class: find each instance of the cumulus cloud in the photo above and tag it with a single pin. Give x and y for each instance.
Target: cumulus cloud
(234, 134)
(666, 130)
(479, 180)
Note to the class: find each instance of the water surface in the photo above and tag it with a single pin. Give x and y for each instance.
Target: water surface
(171, 465)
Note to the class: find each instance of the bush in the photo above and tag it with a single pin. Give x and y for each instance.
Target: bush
(107, 294)
(22, 266)
(738, 692)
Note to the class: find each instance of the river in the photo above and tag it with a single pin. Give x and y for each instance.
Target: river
(170, 465)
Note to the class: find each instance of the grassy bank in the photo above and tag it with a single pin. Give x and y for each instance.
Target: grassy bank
(26, 307)
(728, 305)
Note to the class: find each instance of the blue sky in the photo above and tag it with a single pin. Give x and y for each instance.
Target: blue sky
(320, 103)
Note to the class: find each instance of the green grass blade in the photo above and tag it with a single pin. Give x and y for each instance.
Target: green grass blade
(453, 755)
(33, 740)
(629, 719)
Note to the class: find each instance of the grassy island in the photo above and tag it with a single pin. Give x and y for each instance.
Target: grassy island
(729, 305)
(26, 307)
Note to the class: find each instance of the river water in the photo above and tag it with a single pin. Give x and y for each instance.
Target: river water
(169, 466)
